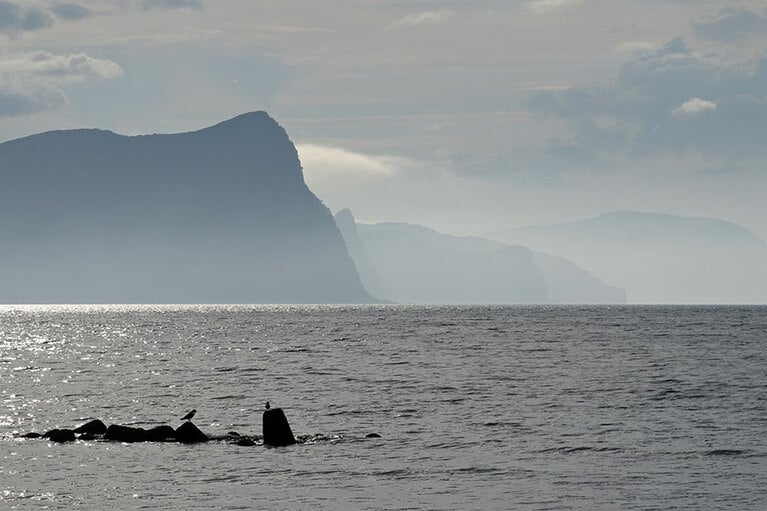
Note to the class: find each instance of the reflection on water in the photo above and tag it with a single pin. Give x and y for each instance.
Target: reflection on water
(477, 407)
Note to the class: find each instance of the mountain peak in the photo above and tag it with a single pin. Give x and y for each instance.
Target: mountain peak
(256, 118)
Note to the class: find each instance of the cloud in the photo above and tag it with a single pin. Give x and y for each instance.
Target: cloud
(15, 101)
(425, 18)
(731, 23)
(547, 6)
(642, 108)
(15, 17)
(321, 161)
(43, 65)
(171, 4)
(31, 82)
(693, 107)
(66, 11)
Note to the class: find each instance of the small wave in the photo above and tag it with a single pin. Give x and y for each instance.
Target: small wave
(252, 369)
(500, 424)
(318, 438)
(478, 470)
(30, 368)
(347, 412)
(726, 452)
(666, 394)
(580, 448)
(402, 472)
(231, 396)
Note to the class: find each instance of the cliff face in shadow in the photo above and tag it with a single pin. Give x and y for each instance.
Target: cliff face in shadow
(660, 258)
(220, 215)
(414, 264)
(348, 226)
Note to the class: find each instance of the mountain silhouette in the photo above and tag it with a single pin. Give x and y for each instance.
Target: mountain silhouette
(660, 258)
(414, 264)
(219, 215)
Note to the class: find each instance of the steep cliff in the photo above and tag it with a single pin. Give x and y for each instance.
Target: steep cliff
(220, 215)
(414, 264)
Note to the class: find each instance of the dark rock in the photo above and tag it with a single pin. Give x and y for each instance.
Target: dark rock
(162, 433)
(372, 435)
(94, 427)
(277, 431)
(126, 434)
(60, 435)
(88, 436)
(245, 441)
(188, 433)
(233, 433)
(31, 435)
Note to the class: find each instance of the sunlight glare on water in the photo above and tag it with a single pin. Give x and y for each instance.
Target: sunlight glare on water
(477, 407)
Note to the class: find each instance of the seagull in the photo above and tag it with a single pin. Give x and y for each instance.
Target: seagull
(267, 405)
(189, 416)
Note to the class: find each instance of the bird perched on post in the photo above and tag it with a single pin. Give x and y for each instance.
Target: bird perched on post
(267, 405)
(189, 416)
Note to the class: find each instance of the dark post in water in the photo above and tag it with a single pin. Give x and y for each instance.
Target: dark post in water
(277, 431)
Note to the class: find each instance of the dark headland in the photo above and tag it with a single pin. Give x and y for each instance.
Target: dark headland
(219, 215)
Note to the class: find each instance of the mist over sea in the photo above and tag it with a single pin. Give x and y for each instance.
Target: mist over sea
(525, 408)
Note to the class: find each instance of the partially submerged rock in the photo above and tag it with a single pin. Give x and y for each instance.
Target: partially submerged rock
(188, 433)
(126, 434)
(162, 433)
(244, 441)
(60, 435)
(94, 427)
(277, 432)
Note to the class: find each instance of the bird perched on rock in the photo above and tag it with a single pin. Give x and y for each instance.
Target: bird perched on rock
(267, 405)
(189, 416)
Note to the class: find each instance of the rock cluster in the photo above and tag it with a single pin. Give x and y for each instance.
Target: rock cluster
(276, 433)
(187, 433)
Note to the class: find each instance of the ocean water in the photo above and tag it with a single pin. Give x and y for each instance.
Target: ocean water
(525, 408)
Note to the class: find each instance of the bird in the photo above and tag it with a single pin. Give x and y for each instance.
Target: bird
(267, 405)
(189, 416)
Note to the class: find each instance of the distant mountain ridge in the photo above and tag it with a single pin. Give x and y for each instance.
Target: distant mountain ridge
(415, 264)
(219, 215)
(659, 258)
(636, 225)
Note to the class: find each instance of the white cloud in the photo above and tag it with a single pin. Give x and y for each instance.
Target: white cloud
(635, 46)
(425, 18)
(693, 107)
(546, 6)
(44, 65)
(321, 161)
(653, 90)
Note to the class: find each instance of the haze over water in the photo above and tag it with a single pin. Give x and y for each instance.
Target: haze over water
(478, 407)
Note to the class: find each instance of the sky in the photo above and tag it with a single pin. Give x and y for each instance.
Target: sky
(465, 116)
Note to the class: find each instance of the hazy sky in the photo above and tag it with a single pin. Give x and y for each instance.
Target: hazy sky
(467, 116)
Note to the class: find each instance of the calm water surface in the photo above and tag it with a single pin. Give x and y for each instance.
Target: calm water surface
(525, 408)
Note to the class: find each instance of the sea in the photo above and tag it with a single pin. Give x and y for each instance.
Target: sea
(476, 407)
